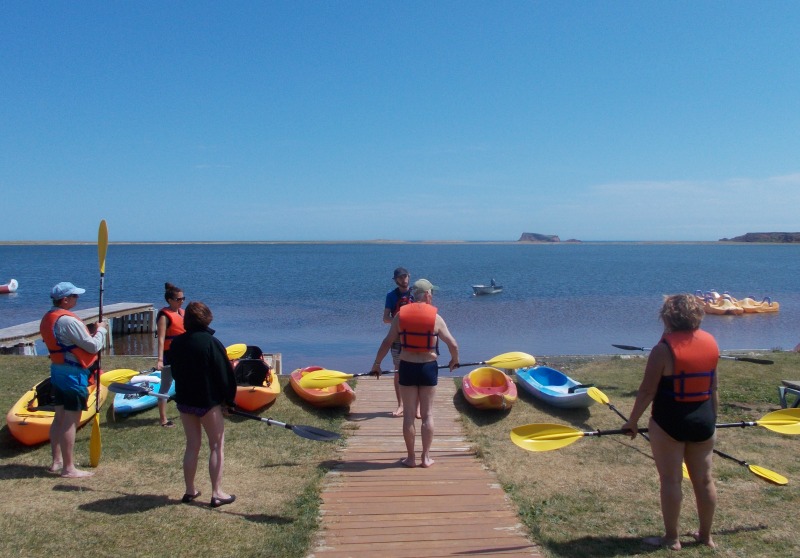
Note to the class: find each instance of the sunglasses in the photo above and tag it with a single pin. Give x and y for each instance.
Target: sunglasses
(179, 299)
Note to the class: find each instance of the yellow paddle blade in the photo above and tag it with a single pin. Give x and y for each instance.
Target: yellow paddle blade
(319, 379)
(783, 421)
(544, 437)
(768, 475)
(102, 245)
(514, 359)
(598, 395)
(120, 375)
(95, 446)
(235, 351)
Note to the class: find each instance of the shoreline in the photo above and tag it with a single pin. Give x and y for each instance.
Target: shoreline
(380, 242)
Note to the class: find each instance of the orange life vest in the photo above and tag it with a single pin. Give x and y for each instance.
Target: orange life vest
(417, 327)
(57, 350)
(695, 354)
(174, 325)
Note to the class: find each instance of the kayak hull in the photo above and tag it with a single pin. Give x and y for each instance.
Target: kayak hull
(129, 403)
(341, 395)
(31, 425)
(554, 387)
(489, 388)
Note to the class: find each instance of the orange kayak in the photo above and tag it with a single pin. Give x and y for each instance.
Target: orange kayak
(489, 388)
(334, 396)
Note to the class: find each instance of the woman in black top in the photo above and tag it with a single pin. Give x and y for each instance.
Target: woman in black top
(204, 389)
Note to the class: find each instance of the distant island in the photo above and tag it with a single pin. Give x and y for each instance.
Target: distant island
(765, 237)
(536, 237)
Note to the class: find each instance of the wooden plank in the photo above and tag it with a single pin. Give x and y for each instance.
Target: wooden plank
(372, 505)
(28, 332)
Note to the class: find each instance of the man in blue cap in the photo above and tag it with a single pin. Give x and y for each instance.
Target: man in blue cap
(73, 351)
(396, 299)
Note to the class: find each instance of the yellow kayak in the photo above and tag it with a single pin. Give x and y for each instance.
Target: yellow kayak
(30, 418)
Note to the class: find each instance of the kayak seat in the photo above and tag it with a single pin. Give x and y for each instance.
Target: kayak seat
(43, 398)
(251, 372)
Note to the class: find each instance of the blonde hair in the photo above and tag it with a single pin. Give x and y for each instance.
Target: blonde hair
(681, 312)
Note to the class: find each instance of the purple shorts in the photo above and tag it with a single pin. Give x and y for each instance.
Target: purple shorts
(189, 410)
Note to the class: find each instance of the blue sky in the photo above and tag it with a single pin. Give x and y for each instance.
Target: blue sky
(365, 120)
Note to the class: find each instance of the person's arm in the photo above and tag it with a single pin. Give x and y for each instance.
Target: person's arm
(658, 362)
(161, 332)
(388, 306)
(386, 344)
(387, 316)
(224, 370)
(74, 331)
(445, 335)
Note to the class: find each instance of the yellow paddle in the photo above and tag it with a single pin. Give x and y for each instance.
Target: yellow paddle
(547, 437)
(95, 445)
(236, 350)
(319, 379)
(119, 375)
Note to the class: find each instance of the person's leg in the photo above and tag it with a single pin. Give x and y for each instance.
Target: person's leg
(698, 461)
(410, 396)
(668, 455)
(67, 441)
(56, 428)
(395, 350)
(192, 429)
(214, 424)
(166, 382)
(426, 397)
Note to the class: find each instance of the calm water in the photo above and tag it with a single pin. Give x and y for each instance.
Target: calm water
(322, 303)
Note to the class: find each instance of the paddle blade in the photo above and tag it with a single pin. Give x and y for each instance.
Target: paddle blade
(770, 476)
(319, 379)
(514, 359)
(95, 445)
(598, 395)
(102, 245)
(783, 421)
(314, 433)
(544, 437)
(235, 351)
(119, 375)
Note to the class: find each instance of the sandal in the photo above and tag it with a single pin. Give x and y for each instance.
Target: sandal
(187, 498)
(168, 424)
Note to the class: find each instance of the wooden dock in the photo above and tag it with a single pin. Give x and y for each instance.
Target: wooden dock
(123, 318)
(373, 506)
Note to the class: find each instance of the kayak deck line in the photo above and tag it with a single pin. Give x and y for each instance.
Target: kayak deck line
(123, 318)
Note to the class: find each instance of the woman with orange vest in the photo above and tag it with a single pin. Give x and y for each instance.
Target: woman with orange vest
(680, 379)
(73, 350)
(169, 324)
(419, 327)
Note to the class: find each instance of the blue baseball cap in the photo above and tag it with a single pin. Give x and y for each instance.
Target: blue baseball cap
(63, 290)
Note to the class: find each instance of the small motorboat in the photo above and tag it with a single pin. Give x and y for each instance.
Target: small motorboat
(128, 403)
(489, 388)
(256, 383)
(30, 418)
(10, 287)
(341, 395)
(554, 387)
(491, 288)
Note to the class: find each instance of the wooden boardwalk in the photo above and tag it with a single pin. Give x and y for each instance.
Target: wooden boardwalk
(373, 506)
(123, 317)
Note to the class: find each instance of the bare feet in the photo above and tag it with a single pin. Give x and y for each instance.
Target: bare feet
(709, 543)
(76, 474)
(662, 542)
(427, 461)
(398, 412)
(55, 468)
(409, 462)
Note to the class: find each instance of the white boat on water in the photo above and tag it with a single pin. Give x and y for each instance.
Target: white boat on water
(491, 288)
(10, 287)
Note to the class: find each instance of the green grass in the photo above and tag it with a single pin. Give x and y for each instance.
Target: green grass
(599, 496)
(131, 505)
(596, 497)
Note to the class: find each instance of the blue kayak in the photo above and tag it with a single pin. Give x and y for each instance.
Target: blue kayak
(127, 403)
(554, 387)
